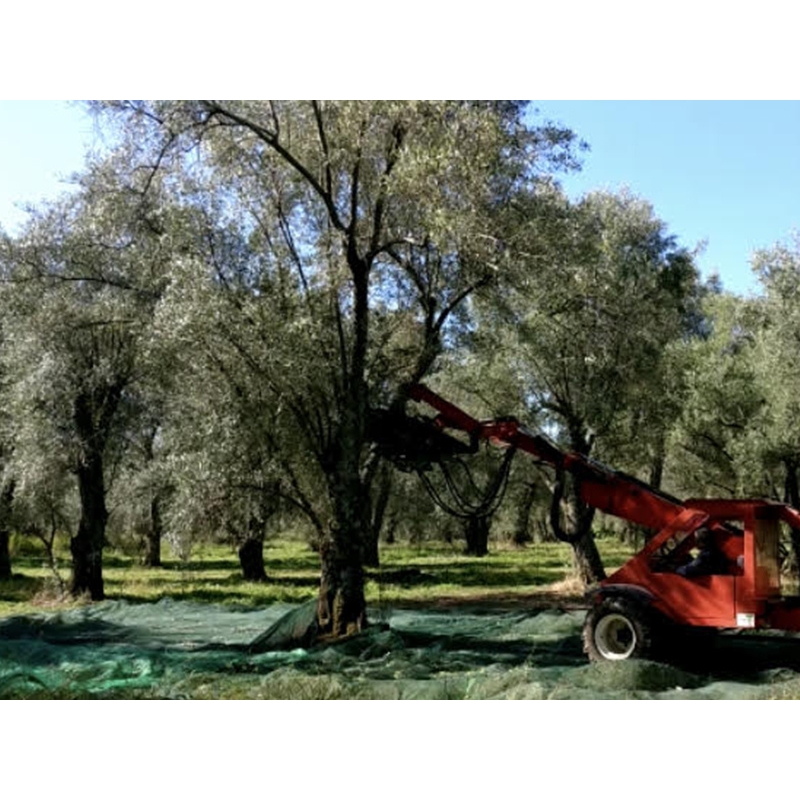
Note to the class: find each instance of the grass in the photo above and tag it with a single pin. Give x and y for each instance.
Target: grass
(433, 573)
(422, 576)
(426, 576)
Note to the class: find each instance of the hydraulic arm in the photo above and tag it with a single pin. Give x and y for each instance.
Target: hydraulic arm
(599, 486)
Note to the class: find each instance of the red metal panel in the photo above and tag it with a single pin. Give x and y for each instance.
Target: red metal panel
(703, 600)
(783, 617)
(706, 600)
(632, 503)
(452, 416)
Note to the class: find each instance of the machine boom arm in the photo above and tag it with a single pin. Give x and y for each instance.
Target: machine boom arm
(600, 486)
(733, 581)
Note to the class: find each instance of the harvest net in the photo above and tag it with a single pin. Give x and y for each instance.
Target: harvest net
(179, 649)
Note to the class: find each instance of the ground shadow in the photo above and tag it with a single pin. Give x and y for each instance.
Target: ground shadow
(733, 655)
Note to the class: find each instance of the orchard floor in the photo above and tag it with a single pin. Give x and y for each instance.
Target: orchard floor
(184, 649)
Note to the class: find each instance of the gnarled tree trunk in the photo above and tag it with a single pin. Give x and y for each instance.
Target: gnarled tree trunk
(476, 532)
(792, 496)
(586, 556)
(152, 539)
(92, 415)
(6, 497)
(380, 502)
(341, 606)
(251, 550)
(5, 554)
(522, 533)
(587, 560)
(87, 545)
(251, 559)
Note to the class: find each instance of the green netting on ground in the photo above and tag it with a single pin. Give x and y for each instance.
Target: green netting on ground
(173, 649)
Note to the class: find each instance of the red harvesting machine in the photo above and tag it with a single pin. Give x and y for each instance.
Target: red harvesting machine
(672, 582)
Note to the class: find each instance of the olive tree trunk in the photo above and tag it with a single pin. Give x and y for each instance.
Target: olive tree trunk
(93, 414)
(792, 496)
(251, 559)
(152, 539)
(522, 532)
(585, 555)
(587, 560)
(476, 532)
(380, 502)
(6, 497)
(5, 555)
(87, 545)
(341, 607)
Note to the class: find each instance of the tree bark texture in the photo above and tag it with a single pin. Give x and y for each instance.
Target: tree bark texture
(251, 559)
(152, 540)
(92, 415)
(87, 545)
(586, 556)
(657, 467)
(251, 550)
(5, 554)
(6, 496)
(341, 606)
(522, 533)
(379, 504)
(476, 532)
(587, 560)
(792, 496)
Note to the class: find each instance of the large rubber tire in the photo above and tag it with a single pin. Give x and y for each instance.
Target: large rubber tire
(618, 629)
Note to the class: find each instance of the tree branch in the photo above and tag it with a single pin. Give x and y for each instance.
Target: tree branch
(271, 140)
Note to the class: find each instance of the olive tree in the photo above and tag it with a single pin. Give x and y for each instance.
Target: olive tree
(7, 484)
(84, 276)
(716, 445)
(777, 376)
(602, 295)
(362, 210)
(221, 431)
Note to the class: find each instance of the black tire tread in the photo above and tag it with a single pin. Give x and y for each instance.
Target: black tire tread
(637, 614)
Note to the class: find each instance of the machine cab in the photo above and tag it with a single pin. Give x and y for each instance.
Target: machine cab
(716, 564)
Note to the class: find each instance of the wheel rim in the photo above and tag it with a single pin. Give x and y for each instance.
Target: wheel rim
(615, 637)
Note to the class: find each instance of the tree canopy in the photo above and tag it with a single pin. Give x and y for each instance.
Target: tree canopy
(195, 341)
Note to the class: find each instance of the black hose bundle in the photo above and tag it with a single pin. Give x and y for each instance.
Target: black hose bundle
(459, 505)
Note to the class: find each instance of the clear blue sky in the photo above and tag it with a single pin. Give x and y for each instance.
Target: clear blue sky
(723, 172)
(41, 143)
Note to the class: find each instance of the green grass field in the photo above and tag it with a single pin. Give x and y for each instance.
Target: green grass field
(432, 574)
